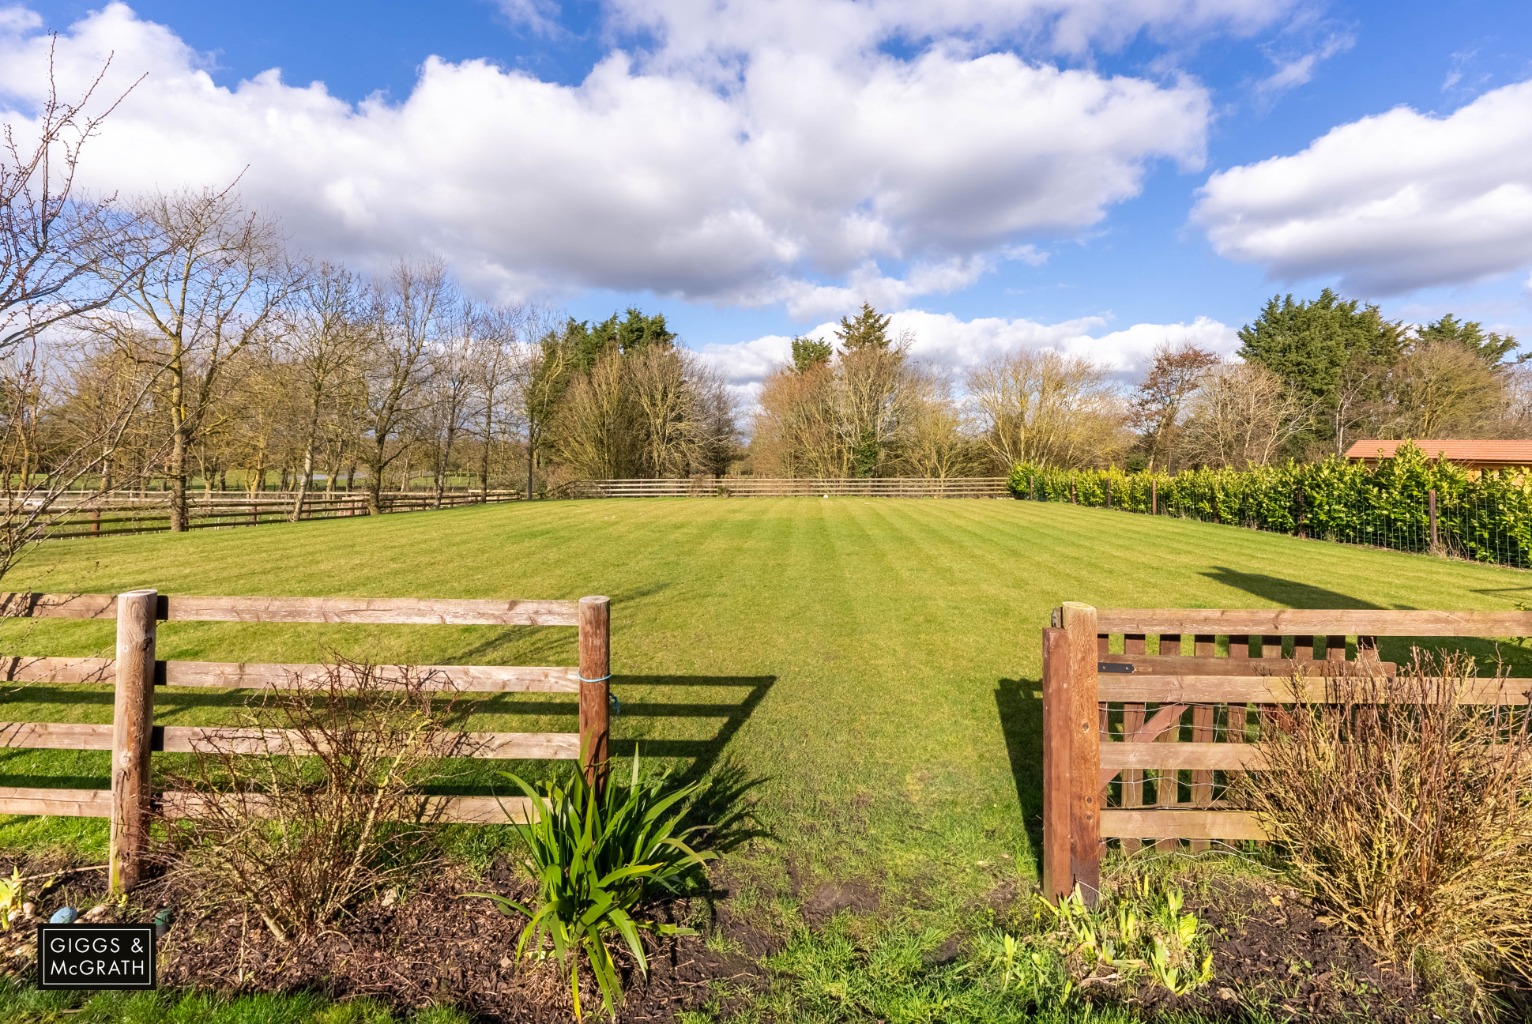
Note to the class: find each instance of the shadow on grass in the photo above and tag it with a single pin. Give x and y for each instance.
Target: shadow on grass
(642, 700)
(1020, 706)
(1493, 656)
(739, 698)
(1291, 593)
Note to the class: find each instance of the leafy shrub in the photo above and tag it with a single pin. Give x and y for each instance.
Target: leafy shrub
(1487, 517)
(1138, 933)
(597, 858)
(1408, 816)
(1052, 968)
(321, 803)
(12, 895)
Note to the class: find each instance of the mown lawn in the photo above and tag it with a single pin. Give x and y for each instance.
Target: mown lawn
(873, 662)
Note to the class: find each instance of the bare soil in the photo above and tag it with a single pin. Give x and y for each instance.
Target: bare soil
(425, 947)
(1271, 952)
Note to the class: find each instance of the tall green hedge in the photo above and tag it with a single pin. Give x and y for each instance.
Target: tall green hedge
(1487, 516)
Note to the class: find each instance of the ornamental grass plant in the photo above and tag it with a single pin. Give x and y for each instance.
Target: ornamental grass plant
(1403, 806)
(599, 857)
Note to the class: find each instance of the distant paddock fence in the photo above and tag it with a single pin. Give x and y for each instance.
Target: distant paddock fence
(91, 515)
(1149, 714)
(134, 674)
(791, 487)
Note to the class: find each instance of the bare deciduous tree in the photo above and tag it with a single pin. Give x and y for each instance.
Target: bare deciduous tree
(794, 431)
(936, 441)
(406, 320)
(1048, 409)
(453, 374)
(213, 278)
(1241, 416)
(52, 240)
(1174, 375)
(1443, 389)
(871, 398)
(595, 436)
(499, 333)
(322, 344)
(540, 372)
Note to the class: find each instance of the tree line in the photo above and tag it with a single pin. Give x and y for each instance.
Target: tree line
(175, 340)
(1311, 377)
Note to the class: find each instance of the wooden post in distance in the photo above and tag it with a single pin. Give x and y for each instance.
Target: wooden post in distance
(1436, 541)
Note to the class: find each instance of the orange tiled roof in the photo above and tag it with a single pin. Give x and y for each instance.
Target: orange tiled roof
(1469, 453)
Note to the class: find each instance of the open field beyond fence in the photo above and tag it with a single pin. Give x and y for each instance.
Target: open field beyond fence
(794, 487)
(874, 662)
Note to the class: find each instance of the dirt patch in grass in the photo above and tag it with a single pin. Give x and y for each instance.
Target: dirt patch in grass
(827, 899)
(1272, 952)
(430, 946)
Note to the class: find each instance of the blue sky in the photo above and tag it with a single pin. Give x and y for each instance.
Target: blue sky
(1087, 175)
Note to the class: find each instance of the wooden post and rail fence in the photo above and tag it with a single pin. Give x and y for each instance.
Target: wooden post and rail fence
(135, 673)
(791, 487)
(90, 514)
(1148, 713)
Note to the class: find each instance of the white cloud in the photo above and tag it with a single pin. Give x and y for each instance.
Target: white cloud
(541, 17)
(19, 19)
(948, 343)
(713, 31)
(807, 173)
(1292, 72)
(1388, 203)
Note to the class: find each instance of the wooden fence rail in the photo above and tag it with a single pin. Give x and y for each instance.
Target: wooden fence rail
(1147, 713)
(135, 672)
(796, 487)
(93, 515)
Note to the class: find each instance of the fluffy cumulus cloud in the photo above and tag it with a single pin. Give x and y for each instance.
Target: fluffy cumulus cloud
(956, 346)
(1388, 203)
(704, 31)
(807, 170)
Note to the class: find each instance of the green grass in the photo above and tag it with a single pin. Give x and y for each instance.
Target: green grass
(31, 1006)
(873, 661)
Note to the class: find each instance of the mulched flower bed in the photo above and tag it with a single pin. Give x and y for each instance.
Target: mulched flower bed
(1271, 952)
(432, 946)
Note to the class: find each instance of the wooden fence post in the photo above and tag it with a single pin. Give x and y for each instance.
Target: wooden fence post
(1057, 875)
(132, 730)
(1436, 542)
(595, 688)
(1154, 497)
(1079, 621)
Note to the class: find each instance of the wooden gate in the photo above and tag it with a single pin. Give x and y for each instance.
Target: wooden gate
(1148, 714)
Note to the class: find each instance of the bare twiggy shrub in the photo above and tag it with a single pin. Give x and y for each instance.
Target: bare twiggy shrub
(1405, 813)
(318, 801)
